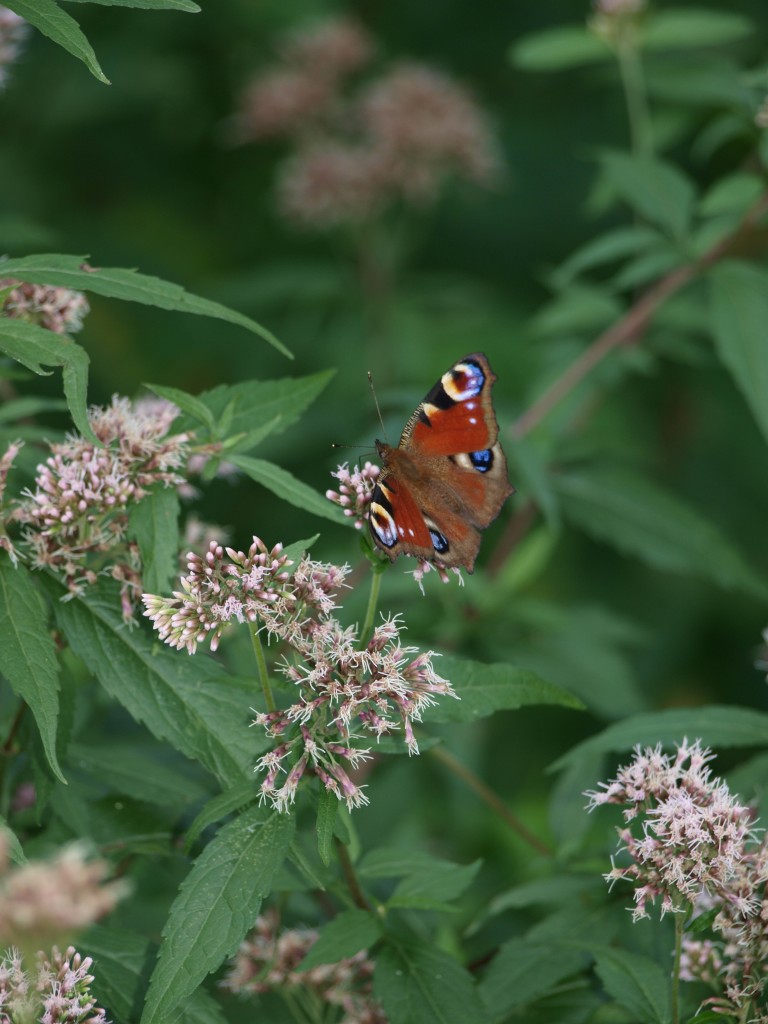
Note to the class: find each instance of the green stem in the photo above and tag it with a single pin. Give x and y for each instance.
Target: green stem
(633, 81)
(350, 877)
(370, 611)
(680, 920)
(261, 661)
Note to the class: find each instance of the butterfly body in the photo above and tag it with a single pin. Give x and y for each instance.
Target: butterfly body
(447, 479)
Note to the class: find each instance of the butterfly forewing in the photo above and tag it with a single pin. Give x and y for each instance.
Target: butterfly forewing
(448, 476)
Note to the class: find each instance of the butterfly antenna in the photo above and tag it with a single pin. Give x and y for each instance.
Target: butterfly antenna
(378, 407)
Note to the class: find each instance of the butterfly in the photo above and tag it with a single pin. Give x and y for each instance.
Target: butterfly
(447, 479)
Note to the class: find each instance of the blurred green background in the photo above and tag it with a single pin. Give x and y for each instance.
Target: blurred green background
(143, 174)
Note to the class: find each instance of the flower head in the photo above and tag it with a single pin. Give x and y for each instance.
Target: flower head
(57, 990)
(60, 310)
(355, 490)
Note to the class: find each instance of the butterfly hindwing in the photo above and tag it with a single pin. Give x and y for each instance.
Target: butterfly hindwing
(447, 479)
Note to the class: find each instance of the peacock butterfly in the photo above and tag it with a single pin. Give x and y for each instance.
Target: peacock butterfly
(447, 479)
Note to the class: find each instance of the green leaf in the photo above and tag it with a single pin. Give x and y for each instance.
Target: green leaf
(136, 772)
(189, 404)
(559, 48)
(656, 190)
(220, 807)
(392, 862)
(35, 347)
(715, 725)
(523, 970)
(612, 245)
(735, 193)
(424, 985)
(684, 29)
(434, 886)
(190, 703)
(29, 656)
(147, 5)
(154, 524)
(257, 403)
(120, 283)
(637, 983)
(286, 486)
(484, 689)
(59, 26)
(21, 408)
(638, 517)
(739, 305)
(15, 852)
(348, 933)
(327, 811)
(217, 905)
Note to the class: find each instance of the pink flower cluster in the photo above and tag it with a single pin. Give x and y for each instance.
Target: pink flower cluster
(60, 310)
(56, 991)
(269, 960)
(343, 688)
(75, 520)
(355, 490)
(13, 29)
(359, 151)
(692, 832)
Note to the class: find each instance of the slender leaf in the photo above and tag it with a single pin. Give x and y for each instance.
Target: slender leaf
(191, 704)
(189, 404)
(120, 283)
(29, 656)
(559, 48)
(434, 886)
(220, 807)
(523, 970)
(392, 862)
(638, 517)
(35, 347)
(637, 983)
(60, 27)
(615, 244)
(137, 772)
(658, 191)
(483, 689)
(424, 985)
(739, 303)
(216, 906)
(716, 725)
(286, 486)
(348, 933)
(678, 28)
(147, 5)
(154, 524)
(15, 852)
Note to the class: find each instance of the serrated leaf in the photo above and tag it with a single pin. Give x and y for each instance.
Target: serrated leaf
(392, 862)
(657, 190)
(424, 985)
(637, 983)
(188, 702)
(121, 283)
(286, 486)
(134, 771)
(615, 244)
(556, 49)
(327, 811)
(716, 725)
(483, 689)
(523, 970)
(257, 403)
(35, 347)
(678, 28)
(217, 905)
(147, 5)
(739, 305)
(348, 933)
(154, 524)
(29, 655)
(220, 807)
(61, 28)
(439, 884)
(638, 517)
(189, 404)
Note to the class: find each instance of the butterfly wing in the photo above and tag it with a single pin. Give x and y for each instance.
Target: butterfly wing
(447, 479)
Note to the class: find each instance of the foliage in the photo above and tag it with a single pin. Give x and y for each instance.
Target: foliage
(313, 867)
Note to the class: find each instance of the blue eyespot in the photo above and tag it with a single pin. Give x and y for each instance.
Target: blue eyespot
(482, 461)
(439, 543)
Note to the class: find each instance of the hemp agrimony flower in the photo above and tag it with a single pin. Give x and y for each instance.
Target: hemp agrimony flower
(60, 310)
(343, 691)
(269, 960)
(355, 490)
(685, 832)
(56, 990)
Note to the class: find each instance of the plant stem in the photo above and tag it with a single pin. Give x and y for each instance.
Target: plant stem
(370, 611)
(630, 327)
(490, 798)
(633, 81)
(350, 877)
(261, 661)
(680, 920)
